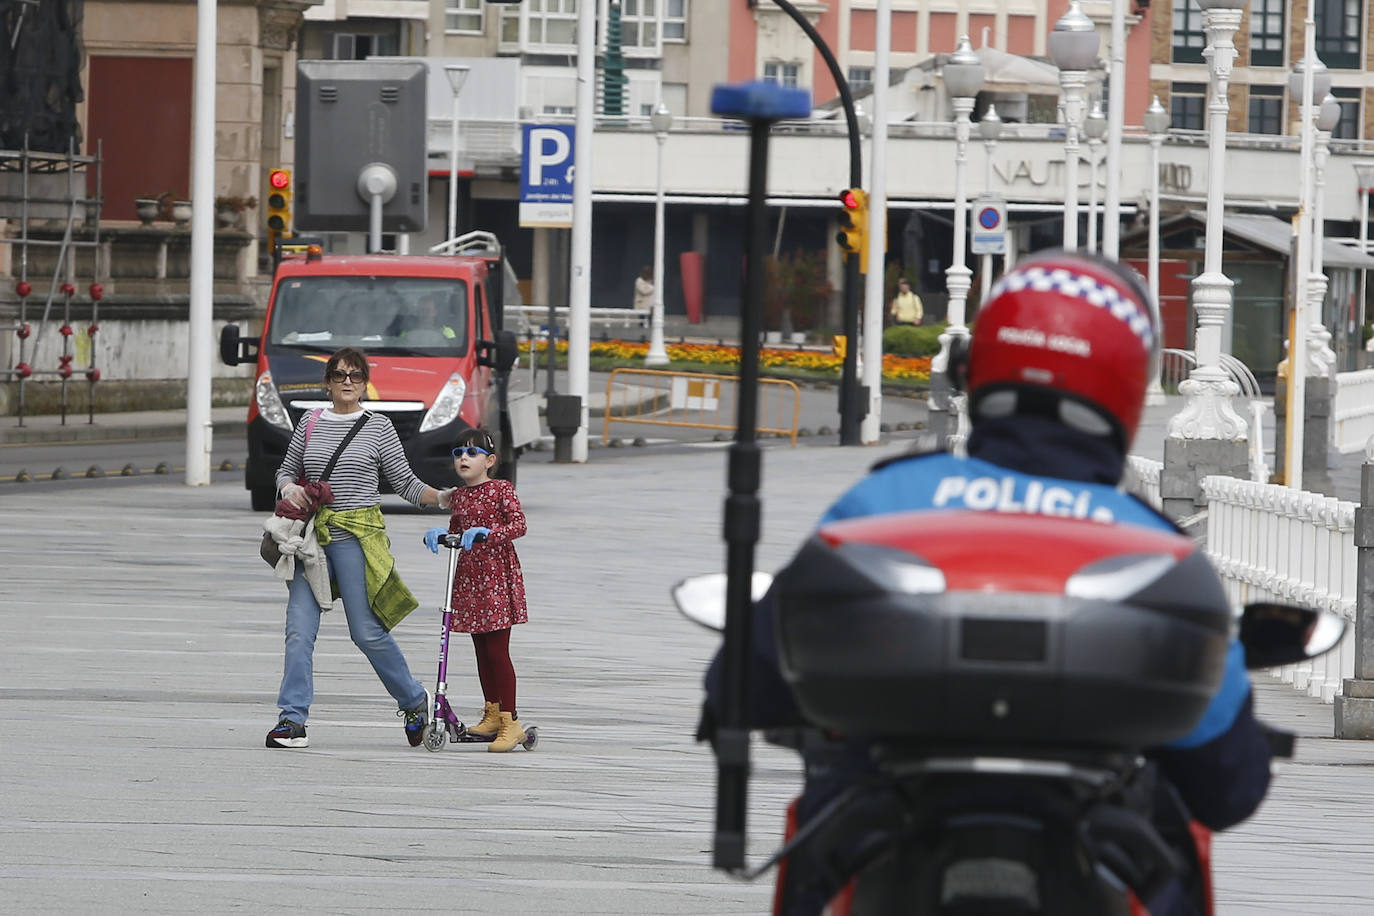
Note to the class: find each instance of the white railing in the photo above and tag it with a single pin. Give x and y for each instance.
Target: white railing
(1353, 410)
(1270, 542)
(1142, 479)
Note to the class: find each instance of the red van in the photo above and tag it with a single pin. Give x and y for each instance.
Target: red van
(426, 324)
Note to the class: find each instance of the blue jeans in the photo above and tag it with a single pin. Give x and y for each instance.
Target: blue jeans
(303, 624)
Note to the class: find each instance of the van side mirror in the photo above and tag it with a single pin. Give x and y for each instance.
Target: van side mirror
(234, 349)
(499, 354)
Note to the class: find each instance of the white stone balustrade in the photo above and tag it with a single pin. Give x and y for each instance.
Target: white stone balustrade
(1271, 542)
(1353, 410)
(1142, 479)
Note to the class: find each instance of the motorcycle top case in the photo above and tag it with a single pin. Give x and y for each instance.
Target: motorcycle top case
(978, 627)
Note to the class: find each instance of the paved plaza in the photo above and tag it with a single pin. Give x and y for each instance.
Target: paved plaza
(141, 638)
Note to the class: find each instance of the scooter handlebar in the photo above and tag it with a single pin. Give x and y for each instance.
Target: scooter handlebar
(455, 541)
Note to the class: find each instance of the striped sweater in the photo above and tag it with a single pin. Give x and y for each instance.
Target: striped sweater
(376, 449)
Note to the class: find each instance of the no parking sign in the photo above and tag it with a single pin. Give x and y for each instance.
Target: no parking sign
(988, 232)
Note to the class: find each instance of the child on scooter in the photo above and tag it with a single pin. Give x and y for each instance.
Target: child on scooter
(488, 589)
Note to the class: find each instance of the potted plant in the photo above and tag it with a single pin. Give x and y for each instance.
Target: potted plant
(158, 206)
(229, 209)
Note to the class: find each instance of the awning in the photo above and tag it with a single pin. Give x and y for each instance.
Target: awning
(1004, 72)
(1276, 235)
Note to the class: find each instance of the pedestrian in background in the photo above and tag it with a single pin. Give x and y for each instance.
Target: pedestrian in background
(906, 305)
(352, 532)
(488, 588)
(644, 290)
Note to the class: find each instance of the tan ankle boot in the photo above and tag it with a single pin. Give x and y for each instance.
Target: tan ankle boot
(490, 724)
(508, 737)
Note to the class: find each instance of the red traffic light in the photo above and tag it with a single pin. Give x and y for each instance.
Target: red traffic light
(279, 179)
(849, 199)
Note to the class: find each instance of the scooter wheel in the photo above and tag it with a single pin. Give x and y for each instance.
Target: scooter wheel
(531, 739)
(433, 738)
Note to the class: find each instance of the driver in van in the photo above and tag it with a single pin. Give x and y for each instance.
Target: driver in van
(1056, 374)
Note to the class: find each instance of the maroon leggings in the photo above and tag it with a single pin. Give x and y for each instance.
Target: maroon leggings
(494, 668)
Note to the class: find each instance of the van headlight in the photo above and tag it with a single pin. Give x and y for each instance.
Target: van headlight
(447, 404)
(270, 407)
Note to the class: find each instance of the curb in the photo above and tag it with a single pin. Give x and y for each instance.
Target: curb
(87, 432)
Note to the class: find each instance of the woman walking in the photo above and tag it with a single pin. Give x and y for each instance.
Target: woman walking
(352, 533)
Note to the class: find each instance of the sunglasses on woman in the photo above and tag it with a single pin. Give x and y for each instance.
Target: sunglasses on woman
(355, 376)
(471, 451)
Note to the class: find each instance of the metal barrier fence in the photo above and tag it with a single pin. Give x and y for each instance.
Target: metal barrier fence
(696, 401)
(1353, 410)
(1270, 542)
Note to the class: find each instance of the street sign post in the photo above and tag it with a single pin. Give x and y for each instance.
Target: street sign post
(988, 229)
(546, 176)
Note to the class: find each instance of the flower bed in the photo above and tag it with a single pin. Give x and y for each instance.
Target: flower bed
(712, 358)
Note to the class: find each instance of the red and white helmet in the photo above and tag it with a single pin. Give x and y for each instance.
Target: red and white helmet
(1060, 332)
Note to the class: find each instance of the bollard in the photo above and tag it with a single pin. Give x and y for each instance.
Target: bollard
(563, 414)
(1354, 711)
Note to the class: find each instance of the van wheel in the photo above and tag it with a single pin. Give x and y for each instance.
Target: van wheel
(263, 498)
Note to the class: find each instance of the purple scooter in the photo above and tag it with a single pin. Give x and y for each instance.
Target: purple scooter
(442, 719)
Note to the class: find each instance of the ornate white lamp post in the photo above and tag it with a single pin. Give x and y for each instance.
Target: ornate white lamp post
(1308, 82)
(1208, 435)
(661, 121)
(1073, 46)
(457, 75)
(1156, 126)
(1095, 126)
(963, 76)
(990, 129)
(1320, 354)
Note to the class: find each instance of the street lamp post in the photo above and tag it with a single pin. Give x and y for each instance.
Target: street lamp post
(1308, 81)
(1364, 173)
(990, 129)
(963, 76)
(1095, 126)
(1320, 354)
(1156, 126)
(661, 120)
(1208, 435)
(1073, 47)
(457, 75)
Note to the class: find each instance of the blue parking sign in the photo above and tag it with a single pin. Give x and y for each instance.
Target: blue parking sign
(546, 175)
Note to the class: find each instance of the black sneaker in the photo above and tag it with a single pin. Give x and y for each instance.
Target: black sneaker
(416, 719)
(288, 734)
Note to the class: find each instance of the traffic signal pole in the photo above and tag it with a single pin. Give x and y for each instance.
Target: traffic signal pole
(851, 397)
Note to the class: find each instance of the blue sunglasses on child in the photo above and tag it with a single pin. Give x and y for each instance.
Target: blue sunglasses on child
(470, 451)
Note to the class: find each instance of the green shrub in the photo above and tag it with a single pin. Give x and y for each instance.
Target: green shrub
(909, 340)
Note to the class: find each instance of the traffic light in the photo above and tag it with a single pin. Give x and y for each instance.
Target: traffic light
(278, 206)
(853, 234)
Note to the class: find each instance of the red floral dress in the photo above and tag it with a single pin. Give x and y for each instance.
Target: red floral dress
(489, 589)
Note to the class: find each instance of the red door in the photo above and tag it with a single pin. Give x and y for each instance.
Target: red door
(1173, 300)
(140, 111)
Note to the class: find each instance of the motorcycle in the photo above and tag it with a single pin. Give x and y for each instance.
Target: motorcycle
(1002, 675)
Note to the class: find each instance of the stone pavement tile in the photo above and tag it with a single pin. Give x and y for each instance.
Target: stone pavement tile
(142, 650)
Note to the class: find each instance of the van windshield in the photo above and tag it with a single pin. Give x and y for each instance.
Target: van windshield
(397, 315)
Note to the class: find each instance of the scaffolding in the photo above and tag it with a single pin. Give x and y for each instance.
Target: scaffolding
(76, 204)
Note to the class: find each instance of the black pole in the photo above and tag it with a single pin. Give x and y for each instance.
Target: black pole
(742, 527)
(852, 407)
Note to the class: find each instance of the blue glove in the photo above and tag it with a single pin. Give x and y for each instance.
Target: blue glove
(432, 538)
(472, 534)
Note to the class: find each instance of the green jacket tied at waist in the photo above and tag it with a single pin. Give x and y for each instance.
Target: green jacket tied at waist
(390, 599)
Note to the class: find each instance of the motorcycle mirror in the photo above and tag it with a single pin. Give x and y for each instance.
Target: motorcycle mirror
(1281, 634)
(701, 599)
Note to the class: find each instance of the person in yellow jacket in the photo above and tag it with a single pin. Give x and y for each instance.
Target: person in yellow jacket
(906, 305)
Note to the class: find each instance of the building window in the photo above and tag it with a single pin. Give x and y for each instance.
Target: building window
(510, 26)
(463, 16)
(361, 46)
(860, 78)
(1348, 128)
(1189, 39)
(1338, 32)
(1188, 106)
(1266, 110)
(781, 72)
(551, 22)
(639, 24)
(1266, 33)
(674, 20)
(558, 110)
